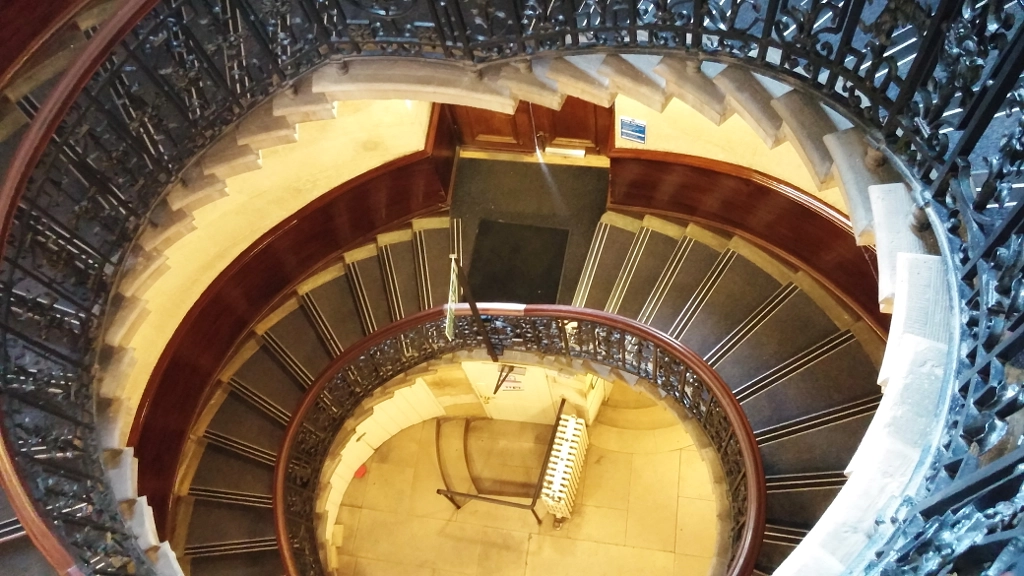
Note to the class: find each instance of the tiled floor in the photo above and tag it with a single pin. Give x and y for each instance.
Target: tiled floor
(650, 513)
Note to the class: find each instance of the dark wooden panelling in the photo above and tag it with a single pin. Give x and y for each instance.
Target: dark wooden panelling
(579, 124)
(342, 218)
(494, 131)
(748, 203)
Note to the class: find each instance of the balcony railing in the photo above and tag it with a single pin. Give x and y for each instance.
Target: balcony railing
(936, 83)
(549, 331)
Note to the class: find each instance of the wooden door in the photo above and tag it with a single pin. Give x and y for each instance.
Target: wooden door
(489, 130)
(577, 125)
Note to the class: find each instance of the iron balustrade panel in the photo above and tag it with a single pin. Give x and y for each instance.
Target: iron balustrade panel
(585, 340)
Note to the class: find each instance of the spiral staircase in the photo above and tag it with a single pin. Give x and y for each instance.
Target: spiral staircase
(802, 365)
(794, 356)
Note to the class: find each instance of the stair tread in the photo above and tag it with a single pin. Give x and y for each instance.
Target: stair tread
(262, 373)
(649, 418)
(613, 255)
(624, 396)
(20, 556)
(436, 248)
(823, 449)
(401, 280)
(213, 522)
(338, 307)
(798, 507)
(298, 336)
(369, 276)
(742, 289)
(222, 469)
(795, 326)
(650, 262)
(695, 265)
(841, 377)
(771, 557)
(639, 441)
(263, 563)
(242, 420)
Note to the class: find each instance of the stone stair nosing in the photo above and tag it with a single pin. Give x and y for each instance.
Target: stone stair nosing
(526, 86)
(191, 194)
(858, 166)
(626, 79)
(430, 81)
(573, 81)
(262, 129)
(920, 297)
(11, 118)
(228, 158)
(166, 227)
(301, 103)
(128, 315)
(685, 82)
(752, 102)
(141, 270)
(805, 124)
(892, 208)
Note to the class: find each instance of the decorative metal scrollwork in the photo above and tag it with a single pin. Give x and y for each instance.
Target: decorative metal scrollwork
(588, 340)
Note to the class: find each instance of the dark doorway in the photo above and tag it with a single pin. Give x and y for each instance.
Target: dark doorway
(517, 263)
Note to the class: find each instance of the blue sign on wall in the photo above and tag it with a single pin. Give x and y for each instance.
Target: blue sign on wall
(633, 130)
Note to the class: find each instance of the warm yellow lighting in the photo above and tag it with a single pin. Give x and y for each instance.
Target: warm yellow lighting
(573, 152)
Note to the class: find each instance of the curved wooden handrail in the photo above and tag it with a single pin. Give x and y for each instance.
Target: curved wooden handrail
(753, 530)
(38, 21)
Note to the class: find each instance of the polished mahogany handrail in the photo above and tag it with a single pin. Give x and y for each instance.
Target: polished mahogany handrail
(753, 529)
(37, 22)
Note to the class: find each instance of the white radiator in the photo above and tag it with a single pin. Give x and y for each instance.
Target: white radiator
(565, 466)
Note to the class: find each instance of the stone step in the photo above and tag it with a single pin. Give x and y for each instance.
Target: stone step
(650, 418)
(805, 124)
(626, 397)
(639, 441)
(892, 209)
(752, 102)
(858, 167)
(410, 79)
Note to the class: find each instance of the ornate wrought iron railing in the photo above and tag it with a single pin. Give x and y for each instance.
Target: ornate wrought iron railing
(549, 331)
(935, 82)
